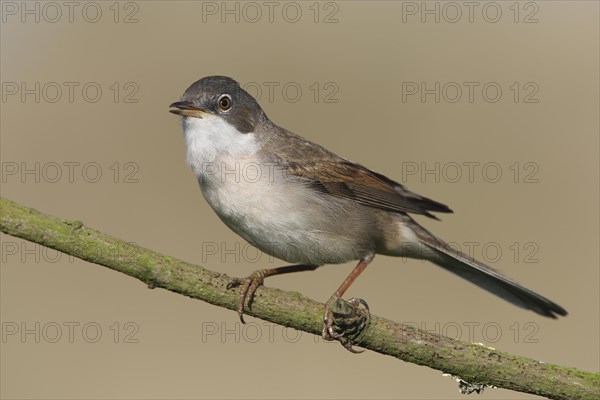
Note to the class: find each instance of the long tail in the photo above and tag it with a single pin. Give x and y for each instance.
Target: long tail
(483, 276)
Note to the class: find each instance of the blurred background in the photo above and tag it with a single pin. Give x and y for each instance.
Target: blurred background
(491, 108)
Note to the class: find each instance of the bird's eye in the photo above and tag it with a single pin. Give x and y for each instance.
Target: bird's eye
(225, 102)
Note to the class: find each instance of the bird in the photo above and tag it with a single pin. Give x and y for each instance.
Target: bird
(301, 203)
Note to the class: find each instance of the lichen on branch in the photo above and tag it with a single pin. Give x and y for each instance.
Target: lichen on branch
(473, 364)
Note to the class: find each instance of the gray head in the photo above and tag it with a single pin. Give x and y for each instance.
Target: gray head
(222, 96)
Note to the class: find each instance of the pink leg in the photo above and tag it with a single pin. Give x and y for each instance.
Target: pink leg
(256, 279)
(328, 333)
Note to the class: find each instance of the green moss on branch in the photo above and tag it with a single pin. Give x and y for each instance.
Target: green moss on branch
(473, 363)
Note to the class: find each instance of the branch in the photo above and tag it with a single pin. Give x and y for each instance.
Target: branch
(473, 363)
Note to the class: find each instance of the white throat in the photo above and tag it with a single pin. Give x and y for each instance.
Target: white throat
(211, 139)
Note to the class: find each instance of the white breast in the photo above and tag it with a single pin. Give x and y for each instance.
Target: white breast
(211, 138)
(258, 202)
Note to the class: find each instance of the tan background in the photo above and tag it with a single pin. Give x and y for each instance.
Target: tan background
(368, 54)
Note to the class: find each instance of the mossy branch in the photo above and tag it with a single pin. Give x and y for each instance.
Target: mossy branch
(473, 363)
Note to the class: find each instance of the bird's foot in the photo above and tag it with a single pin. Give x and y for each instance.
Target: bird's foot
(248, 285)
(345, 321)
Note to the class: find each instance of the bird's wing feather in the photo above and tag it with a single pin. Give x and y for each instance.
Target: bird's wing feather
(336, 176)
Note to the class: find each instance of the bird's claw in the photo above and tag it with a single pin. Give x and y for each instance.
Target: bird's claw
(345, 321)
(249, 285)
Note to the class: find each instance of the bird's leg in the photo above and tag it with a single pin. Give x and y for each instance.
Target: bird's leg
(256, 279)
(345, 320)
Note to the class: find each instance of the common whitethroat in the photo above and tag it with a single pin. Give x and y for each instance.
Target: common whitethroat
(301, 203)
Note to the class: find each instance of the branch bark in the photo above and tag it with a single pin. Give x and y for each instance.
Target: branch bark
(473, 363)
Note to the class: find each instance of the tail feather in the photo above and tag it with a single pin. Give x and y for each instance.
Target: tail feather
(485, 277)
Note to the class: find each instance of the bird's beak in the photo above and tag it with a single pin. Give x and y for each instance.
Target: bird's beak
(186, 109)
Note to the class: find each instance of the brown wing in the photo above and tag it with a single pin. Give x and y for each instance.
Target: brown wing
(329, 173)
(345, 179)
